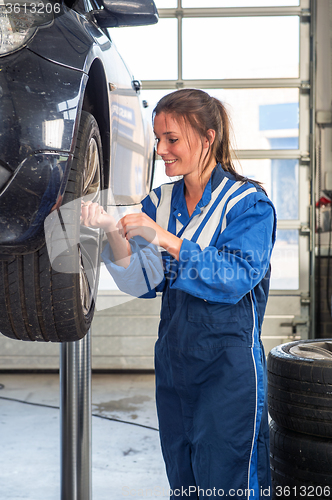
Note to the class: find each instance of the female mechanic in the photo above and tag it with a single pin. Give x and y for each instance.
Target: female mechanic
(216, 229)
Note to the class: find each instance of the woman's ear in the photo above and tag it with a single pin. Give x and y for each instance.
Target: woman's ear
(210, 137)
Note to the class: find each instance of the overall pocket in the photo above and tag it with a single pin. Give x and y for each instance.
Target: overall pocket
(216, 325)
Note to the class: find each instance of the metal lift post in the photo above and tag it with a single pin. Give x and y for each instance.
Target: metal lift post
(75, 419)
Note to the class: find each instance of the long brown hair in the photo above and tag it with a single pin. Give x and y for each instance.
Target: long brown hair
(202, 112)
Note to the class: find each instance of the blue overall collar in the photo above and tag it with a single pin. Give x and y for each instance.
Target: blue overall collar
(179, 206)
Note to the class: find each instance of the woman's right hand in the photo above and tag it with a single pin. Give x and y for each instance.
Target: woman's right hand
(93, 215)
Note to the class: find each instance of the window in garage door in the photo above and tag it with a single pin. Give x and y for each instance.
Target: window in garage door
(255, 56)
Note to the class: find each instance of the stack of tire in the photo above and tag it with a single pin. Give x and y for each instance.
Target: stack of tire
(300, 406)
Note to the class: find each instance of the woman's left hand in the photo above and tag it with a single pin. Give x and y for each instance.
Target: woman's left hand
(142, 225)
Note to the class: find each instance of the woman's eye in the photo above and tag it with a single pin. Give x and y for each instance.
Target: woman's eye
(172, 141)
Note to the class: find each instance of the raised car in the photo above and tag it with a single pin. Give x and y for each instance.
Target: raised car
(72, 127)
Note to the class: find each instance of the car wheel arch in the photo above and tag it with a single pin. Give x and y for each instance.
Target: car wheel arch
(97, 104)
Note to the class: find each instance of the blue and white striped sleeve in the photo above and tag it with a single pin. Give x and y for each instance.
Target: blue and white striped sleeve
(145, 274)
(239, 260)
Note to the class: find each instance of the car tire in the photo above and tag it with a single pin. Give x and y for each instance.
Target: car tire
(41, 302)
(301, 465)
(300, 386)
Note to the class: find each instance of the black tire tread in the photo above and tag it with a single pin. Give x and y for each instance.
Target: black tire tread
(299, 460)
(16, 299)
(37, 302)
(7, 325)
(299, 392)
(46, 295)
(32, 297)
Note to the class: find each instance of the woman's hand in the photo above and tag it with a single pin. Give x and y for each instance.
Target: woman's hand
(142, 225)
(139, 225)
(93, 215)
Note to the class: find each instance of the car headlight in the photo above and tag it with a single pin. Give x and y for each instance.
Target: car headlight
(20, 20)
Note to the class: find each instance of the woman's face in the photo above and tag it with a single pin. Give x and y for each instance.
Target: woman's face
(179, 146)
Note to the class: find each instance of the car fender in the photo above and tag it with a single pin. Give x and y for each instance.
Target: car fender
(39, 104)
(39, 124)
(67, 41)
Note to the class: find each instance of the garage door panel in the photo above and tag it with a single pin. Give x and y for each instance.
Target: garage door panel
(272, 326)
(283, 304)
(123, 346)
(121, 304)
(19, 348)
(123, 362)
(109, 326)
(29, 362)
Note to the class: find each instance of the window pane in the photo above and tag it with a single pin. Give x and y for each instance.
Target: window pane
(145, 51)
(285, 261)
(262, 118)
(152, 97)
(237, 3)
(280, 179)
(249, 47)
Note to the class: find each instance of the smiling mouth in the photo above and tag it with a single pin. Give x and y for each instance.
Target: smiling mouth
(168, 162)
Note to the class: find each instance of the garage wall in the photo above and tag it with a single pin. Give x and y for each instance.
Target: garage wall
(324, 163)
(324, 64)
(324, 89)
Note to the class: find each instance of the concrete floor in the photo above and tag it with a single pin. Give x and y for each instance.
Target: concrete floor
(126, 459)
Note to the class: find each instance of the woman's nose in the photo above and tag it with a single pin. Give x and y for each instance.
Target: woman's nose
(161, 147)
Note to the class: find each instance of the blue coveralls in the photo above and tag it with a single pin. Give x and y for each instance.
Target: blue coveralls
(209, 360)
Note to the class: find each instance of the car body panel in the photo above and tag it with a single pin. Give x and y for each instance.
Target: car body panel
(76, 34)
(38, 107)
(32, 193)
(43, 88)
